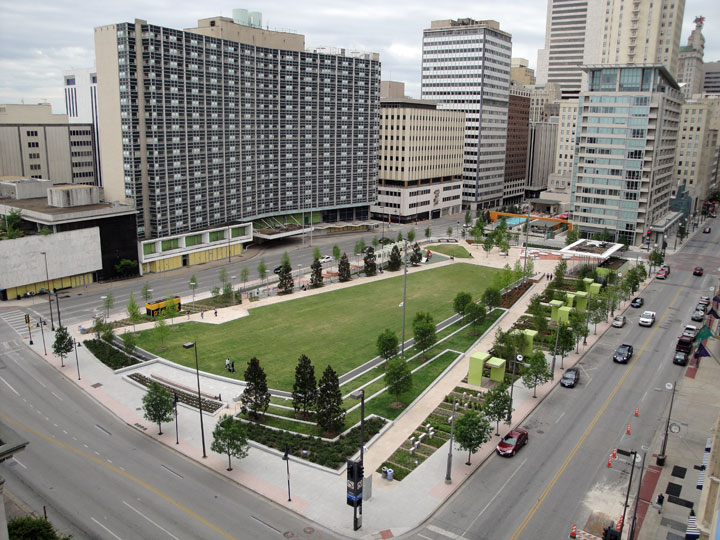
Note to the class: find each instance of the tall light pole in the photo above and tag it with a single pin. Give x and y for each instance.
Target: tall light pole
(42, 332)
(527, 236)
(77, 362)
(361, 396)
(518, 358)
(193, 345)
(448, 471)
(177, 433)
(660, 459)
(286, 458)
(404, 298)
(47, 279)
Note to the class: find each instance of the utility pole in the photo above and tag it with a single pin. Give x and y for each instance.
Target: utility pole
(448, 477)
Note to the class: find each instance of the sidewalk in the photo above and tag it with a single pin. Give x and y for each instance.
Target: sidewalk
(317, 494)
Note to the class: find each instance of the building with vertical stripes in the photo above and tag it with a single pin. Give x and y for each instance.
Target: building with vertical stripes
(80, 87)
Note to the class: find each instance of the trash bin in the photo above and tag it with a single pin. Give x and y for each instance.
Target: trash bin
(384, 472)
(390, 473)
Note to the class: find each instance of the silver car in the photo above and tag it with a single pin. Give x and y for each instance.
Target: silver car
(698, 316)
(619, 321)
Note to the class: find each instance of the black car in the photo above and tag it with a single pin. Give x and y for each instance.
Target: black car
(278, 269)
(698, 271)
(570, 378)
(368, 249)
(637, 302)
(623, 354)
(680, 358)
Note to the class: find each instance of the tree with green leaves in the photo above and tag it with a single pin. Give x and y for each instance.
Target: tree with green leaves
(655, 258)
(536, 371)
(358, 249)
(244, 275)
(33, 528)
(369, 264)
(633, 280)
(472, 430)
(285, 258)
(497, 404)
(102, 329)
(399, 237)
(161, 328)
(146, 292)
(108, 303)
(255, 399)
(428, 233)
(537, 310)
(682, 232)
(125, 267)
(133, 311)
(488, 244)
(641, 272)
(477, 232)
(129, 343)
(171, 310)
(158, 405)
(559, 274)
(329, 414)
(461, 303)
(316, 277)
(597, 310)
(336, 253)
(468, 217)
(395, 260)
(415, 255)
(285, 279)
(578, 323)
(507, 344)
(475, 313)
(222, 276)
(230, 438)
(411, 236)
(387, 344)
(565, 340)
(304, 392)
(227, 292)
(63, 344)
(316, 253)
(504, 245)
(424, 330)
(572, 236)
(492, 297)
(344, 269)
(262, 270)
(375, 242)
(449, 231)
(398, 377)
(193, 284)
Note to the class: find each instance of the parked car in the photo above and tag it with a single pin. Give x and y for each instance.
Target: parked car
(619, 321)
(647, 318)
(661, 274)
(623, 353)
(637, 302)
(368, 249)
(690, 331)
(665, 268)
(698, 271)
(706, 230)
(701, 307)
(277, 269)
(570, 378)
(685, 344)
(680, 358)
(325, 259)
(385, 240)
(698, 316)
(512, 442)
(704, 300)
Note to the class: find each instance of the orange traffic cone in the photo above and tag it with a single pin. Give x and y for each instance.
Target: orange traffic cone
(627, 431)
(573, 532)
(614, 454)
(637, 411)
(610, 461)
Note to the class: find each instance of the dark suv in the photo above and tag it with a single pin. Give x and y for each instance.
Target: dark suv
(623, 354)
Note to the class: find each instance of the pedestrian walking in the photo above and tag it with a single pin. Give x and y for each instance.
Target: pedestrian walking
(216, 312)
(232, 366)
(227, 364)
(202, 314)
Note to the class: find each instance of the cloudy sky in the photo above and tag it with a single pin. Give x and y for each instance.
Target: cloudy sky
(40, 39)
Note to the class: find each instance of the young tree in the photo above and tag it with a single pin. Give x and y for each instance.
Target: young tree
(472, 431)
(146, 292)
(411, 236)
(316, 277)
(497, 405)
(468, 217)
(375, 242)
(504, 245)
(399, 237)
(387, 344)
(424, 330)
(572, 236)
(507, 344)
(415, 255)
(227, 292)
(285, 279)
(398, 377)
(597, 309)
(171, 310)
(559, 274)
(329, 412)
(222, 276)
(536, 372)
(230, 437)
(655, 258)
(344, 269)
(244, 275)
(316, 253)
(461, 303)
(262, 270)
(193, 284)
(428, 233)
(158, 405)
(305, 388)
(133, 311)
(536, 309)
(578, 323)
(359, 246)
(256, 397)
(108, 303)
(488, 244)
(395, 260)
(565, 340)
(336, 253)
(285, 258)
(161, 328)
(476, 314)
(369, 264)
(449, 231)
(641, 271)
(492, 297)
(63, 344)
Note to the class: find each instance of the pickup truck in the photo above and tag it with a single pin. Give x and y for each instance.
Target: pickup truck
(685, 344)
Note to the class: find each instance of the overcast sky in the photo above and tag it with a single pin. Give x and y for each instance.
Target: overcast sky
(39, 39)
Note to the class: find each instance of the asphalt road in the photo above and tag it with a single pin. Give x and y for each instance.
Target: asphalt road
(100, 478)
(561, 476)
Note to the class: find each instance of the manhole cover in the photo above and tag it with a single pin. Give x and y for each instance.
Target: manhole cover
(308, 530)
(288, 534)
(96, 385)
(675, 428)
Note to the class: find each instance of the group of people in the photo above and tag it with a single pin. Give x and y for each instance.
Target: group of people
(548, 276)
(230, 366)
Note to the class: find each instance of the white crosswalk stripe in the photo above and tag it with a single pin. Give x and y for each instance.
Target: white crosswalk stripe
(16, 320)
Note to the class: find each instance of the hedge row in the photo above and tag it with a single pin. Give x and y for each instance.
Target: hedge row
(109, 355)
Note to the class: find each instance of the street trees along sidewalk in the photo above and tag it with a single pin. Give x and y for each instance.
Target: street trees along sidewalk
(230, 437)
(158, 405)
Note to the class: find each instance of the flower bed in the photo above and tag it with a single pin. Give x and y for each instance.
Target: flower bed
(187, 398)
(513, 295)
(109, 355)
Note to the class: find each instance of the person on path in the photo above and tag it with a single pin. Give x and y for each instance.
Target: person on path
(202, 314)
(216, 312)
(227, 364)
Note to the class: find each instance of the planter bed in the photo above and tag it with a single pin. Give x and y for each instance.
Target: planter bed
(109, 355)
(187, 398)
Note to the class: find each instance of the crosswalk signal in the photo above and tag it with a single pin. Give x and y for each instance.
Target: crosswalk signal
(27, 319)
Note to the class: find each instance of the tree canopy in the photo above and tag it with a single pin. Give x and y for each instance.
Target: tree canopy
(328, 409)
(472, 430)
(230, 438)
(256, 398)
(158, 405)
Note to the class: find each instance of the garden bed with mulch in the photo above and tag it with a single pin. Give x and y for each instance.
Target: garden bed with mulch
(187, 398)
(513, 295)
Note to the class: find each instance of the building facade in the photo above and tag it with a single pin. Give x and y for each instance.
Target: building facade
(627, 132)
(544, 102)
(80, 86)
(711, 78)
(690, 61)
(35, 143)
(542, 149)
(561, 178)
(517, 145)
(520, 73)
(421, 159)
(223, 124)
(466, 67)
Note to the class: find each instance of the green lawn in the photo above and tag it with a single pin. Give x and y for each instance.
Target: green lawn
(453, 250)
(338, 328)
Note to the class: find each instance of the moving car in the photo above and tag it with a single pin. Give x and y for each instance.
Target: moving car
(637, 302)
(665, 268)
(698, 271)
(368, 249)
(661, 274)
(706, 230)
(385, 240)
(512, 442)
(326, 259)
(619, 321)
(698, 316)
(570, 378)
(623, 353)
(647, 318)
(680, 358)
(690, 331)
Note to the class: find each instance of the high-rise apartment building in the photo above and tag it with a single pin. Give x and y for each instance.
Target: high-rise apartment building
(210, 128)
(35, 143)
(690, 62)
(711, 78)
(466, 67)
(627, 132)
(572, 31)
(421, 158)
(517, 145)
(643, 32)
(561, 178)
(80, 86)
(521, 73)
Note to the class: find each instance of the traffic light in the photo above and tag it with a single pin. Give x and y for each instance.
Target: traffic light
(27, 319)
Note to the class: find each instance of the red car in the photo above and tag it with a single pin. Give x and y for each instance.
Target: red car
(512, 442)
(661, 274)
(698, 271)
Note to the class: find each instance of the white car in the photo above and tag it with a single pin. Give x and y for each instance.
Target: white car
(326, 259)
(690, 331)
(647, 318)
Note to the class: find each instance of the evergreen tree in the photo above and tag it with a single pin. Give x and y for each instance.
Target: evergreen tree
(387, 344)
(344, 269)
(133, 311)
(329, 412)
(305, 388)
(472, 431)
(560, 271)
(370, 266)
(399, 237)
(285, 279)
(398, 377)
(395, 261)
(230, 437)
(316, 277)
(158, 405)
(416, 255)
(63, 344)
(428, 232)
(256, 397)
(424, 330)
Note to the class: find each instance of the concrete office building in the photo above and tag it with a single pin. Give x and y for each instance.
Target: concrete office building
(211, 128)
(561, 178)
(711, 78)
(35, 143)
(521, 73)
(80, 86)
(421, 158)
(690, 61)
(643, 32)
(572, 32)
(517, 145)
(544, 102)
(627, 133)
(466, 67)
(697, 147)
(542, 149)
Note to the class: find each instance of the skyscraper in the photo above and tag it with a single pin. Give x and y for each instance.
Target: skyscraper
(81, 107)
(517, 145)
(466, 67)
(690, 70)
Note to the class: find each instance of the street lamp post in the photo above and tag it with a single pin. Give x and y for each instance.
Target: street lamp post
(557, 337)
(660, 459)
(527, 236)
(29, 329)
(105, 305)
(47, 279)
(404, 298)
(286, 458)
(177, 433)
(193, 345)
(448, 471)
(57, 303)
(361, 396)
(518, 358)
(42, 332)
(77, 362)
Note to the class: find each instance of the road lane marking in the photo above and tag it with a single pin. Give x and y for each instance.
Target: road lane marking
(590, 427)
(151, 521)
(29, 374)
(104, 527)
(120, 471)
(643, 398)
(266, 524)
(54, 394)
(16, 461)
(442, 532)
(9, 386)
(559, 417)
